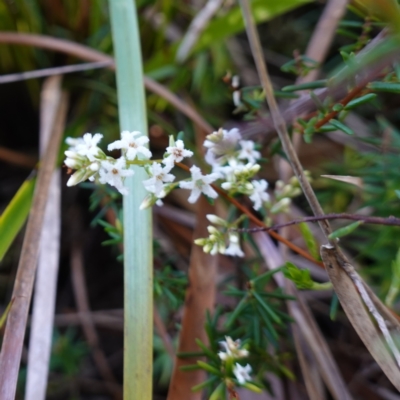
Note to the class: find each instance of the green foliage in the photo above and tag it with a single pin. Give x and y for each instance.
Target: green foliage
(345, 230)
(68, 353)
(232, 22)
(170, 286)
(15, 215)
(309, 239)
(395, 283)
(302, 278)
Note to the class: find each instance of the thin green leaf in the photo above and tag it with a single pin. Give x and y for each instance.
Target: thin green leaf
(345, 230)
(360, 100)
(342, 127)
(305, 86)
(390, 87)
(15, 215)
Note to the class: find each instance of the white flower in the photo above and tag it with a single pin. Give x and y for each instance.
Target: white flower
(159, 175)
(241, 373)
(228, 171)
(221, 143)
(200, 184)
(88, 146)
(176, 153)
(232, 349)
(74, 142)
(74, 160)
(281, 206)
(234, 246)
(259, 194)
(113, 173)
(235, 81)
(248, 152)
(132, 145)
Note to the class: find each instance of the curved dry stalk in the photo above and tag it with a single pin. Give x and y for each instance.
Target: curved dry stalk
(41, 73)
(86, 53)
(339, 270)
(11, 350)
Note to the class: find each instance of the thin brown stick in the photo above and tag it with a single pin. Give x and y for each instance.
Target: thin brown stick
(86, 53)
(10, 355)
(391, 221)
(88, 326)
(41, 73)
(17, 158)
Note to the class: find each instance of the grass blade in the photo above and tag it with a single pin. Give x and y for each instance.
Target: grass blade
(138, 259)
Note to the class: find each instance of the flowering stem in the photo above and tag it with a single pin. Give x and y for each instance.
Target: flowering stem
(141, 162)
(258, 222)
(138, 285)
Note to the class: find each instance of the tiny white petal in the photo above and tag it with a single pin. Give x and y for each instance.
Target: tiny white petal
(132, 145)
(241, 373)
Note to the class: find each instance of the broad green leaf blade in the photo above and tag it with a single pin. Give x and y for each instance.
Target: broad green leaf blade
(232, 22)
(138, 244)
(15, 215)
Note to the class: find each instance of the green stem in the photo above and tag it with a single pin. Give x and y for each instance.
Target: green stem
(138, 269)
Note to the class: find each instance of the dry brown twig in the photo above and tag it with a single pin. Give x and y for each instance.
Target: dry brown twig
(350, 295)
(10, 355)
(41, 333)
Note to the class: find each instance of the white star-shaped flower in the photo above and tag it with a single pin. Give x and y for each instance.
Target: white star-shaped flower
(73, 142)
(232, 349)
(132, 144)
(221, 143)
(247, 152)
(114, 173)
(234, 246)
(241, 373)
(259, 194)
(200, 184)
(88, 146)
(176, 153)
(159, 175)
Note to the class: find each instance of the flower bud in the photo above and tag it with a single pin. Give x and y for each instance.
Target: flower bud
(281, 206)
(214, 219)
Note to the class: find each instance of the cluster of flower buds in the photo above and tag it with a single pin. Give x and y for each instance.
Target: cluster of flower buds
(232, 353)
(216, 242)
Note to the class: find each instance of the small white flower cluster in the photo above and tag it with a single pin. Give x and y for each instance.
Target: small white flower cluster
(91, 163)
(226, 153)
(215, 243)
(234, 160)
(232, 353)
